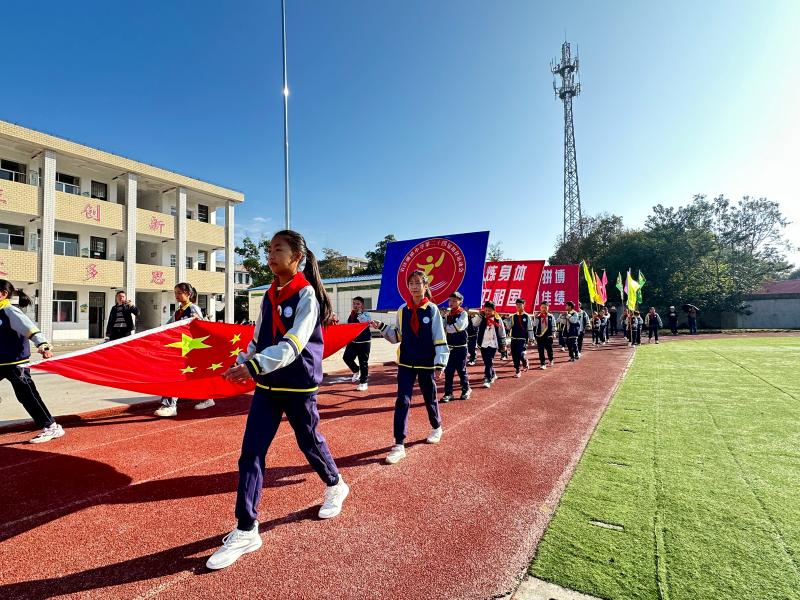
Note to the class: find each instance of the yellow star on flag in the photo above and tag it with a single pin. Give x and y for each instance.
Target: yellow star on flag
(236, 338)
(188, 370)
(215, 366)
(235, 352)
(188, 343)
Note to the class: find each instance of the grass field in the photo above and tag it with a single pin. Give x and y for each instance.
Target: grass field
(692, 479)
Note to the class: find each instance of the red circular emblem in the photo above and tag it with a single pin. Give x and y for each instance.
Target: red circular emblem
(443, 262)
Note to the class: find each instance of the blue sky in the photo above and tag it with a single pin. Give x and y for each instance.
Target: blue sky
(419, 118)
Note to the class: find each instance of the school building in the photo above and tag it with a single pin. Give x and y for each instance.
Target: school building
(77, 224)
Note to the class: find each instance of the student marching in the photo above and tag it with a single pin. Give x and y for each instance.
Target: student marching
(16, 329)
(543, 327)
(491, 338)
(456, 329)
(285, 360)
(521, 326)
(360, 347)
(422, 356)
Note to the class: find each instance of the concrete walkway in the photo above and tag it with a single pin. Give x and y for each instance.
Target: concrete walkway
(68, 397)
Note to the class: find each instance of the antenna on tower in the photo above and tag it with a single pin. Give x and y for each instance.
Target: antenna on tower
(567, 88)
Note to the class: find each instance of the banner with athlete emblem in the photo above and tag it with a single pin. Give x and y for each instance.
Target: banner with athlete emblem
(453, 263)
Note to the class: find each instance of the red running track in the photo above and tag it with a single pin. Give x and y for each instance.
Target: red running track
(130, 506)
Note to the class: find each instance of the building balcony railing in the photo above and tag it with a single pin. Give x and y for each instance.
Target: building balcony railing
(19, 265)
(155, 278)
(156, 224)
(206, 234)
(68, 188)
(19, 197)
(87, 271)
(13, 176)
(206, 281)
(89, 211)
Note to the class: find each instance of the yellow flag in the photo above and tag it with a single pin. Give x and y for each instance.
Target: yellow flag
(633, 287)
(589, 282)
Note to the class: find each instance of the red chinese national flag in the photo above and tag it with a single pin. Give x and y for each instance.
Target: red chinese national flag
(184, 359)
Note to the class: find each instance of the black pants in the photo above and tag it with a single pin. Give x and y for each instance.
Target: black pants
(545, 344)
(613, 326)
(20, 378)
(405, 387)
(580, 342)
(692, 325)
(636, 335)
(118, 333)
(572, 344)
(472, 346)
(456, 363)
(487, 354)
(518, 354)
(358, 351)
(652, 331)
(562, 340)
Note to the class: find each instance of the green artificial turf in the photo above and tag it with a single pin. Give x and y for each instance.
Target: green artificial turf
(697, 458)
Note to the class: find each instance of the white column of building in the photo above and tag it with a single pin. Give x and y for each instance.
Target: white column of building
(47, 196)
(229, 246)
(180, 234)
(131, 187)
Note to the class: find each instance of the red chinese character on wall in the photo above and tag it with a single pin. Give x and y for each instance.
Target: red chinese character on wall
(2, 267)
(92, 212)
(2, 197)
(156, 224)
(91, 272)
(157, 277)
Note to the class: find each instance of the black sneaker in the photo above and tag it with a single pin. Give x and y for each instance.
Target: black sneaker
(466, 394)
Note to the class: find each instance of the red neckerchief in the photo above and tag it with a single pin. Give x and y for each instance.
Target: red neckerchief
(544, 322)
(491, 322)
(454, 312)
(414, 317)
(297, 283)
(182, 311)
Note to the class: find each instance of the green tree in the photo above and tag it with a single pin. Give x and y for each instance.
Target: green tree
(375, 258)
(332, 264)
(254, 259)
(495, 252)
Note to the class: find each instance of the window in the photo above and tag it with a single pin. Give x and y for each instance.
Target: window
(12, 237)
(202, 213)
(12, 171)
(99, 190)
(173, 211)
(202, 302)
(202, 260)
(97, 247)
(173, 261)
(189, 262)
(64, 307)
(367, 303)
(65, 244)
(68, 183)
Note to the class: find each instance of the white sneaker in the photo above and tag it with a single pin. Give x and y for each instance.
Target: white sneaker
(236, 543)
(543, 367)
(579, 354)
(205, 404)
(435, 436)
(166, 411)
(396, 454)
(333, 499)
(493, 379)
(356, 377)
(517, 374)
(50, 432)
(486, 383)
(446, 398)
(466, 394)
(362, 387)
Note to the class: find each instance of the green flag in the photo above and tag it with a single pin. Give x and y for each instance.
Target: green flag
(642, 281)
(619, 287)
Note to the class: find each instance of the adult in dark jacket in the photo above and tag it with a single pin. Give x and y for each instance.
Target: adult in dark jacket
(121, 318)
(673, 320)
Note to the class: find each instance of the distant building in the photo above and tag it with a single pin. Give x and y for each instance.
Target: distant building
(775, 306)
(355, 263)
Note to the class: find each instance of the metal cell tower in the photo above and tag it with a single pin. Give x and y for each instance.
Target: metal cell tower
(567, 69)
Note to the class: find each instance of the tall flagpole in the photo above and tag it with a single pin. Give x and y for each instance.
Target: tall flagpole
(285, 121)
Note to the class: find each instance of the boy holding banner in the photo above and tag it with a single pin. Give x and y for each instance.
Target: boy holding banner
(456, 324)
(520, 336)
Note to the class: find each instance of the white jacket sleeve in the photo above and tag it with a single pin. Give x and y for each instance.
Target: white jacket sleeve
(291, 345)
(20, 323)
(439, 339)
(393, 334)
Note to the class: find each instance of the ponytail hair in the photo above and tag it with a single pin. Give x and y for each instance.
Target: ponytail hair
(310, 271)
(7, 287)
(424, 278)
